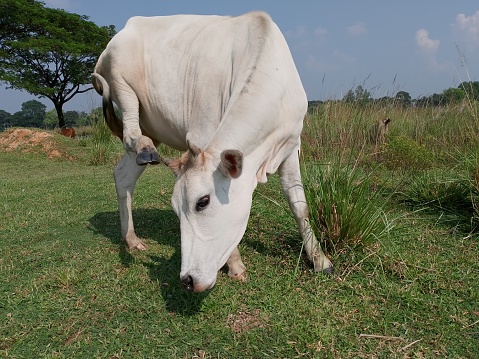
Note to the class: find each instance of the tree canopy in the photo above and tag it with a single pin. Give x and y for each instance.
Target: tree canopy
(48, 52)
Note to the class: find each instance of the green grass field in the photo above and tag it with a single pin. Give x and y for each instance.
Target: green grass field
(70, 289)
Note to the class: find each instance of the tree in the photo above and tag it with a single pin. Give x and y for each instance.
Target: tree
(48, 52)
(403, 98)
(51, 119)
(453, 95)
(349, 97)
(471, 88)
(31, 115)
(5, 120)
(362, 95)
(71, 118)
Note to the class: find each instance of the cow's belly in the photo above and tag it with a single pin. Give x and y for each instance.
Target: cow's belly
(171, 132)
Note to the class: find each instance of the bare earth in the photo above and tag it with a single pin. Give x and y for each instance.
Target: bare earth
(28, 140)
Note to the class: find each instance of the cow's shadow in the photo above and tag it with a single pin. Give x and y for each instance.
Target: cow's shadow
(163, 227)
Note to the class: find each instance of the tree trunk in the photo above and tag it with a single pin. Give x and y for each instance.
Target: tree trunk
(61, 117)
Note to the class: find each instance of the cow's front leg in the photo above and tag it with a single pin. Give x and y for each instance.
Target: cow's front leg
(236, 268)
(126, 174)
(290, 175)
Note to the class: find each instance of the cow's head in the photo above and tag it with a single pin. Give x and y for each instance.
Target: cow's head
(213, 202)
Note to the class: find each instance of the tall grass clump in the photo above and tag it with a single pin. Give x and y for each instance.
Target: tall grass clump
(345, 210)
(453, 195)
(103, 144)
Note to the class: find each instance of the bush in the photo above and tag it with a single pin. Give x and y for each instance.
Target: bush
(402, 152)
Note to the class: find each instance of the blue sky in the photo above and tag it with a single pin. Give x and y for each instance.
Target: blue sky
(385, 46)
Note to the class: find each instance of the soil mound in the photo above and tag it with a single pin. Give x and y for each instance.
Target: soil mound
(29, 140)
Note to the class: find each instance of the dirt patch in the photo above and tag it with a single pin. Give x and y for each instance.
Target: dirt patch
(243, 321)
(28, 140)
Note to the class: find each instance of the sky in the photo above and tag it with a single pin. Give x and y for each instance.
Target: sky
(421, 47)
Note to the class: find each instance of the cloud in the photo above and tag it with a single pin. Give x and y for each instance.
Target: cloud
(357, 29)
(468, 26)
(320, 32)
(425, 43)
(429, 49)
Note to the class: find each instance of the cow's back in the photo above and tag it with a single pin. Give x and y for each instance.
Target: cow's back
(190, 72)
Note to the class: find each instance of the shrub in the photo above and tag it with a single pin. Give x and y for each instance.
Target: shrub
(402, 152)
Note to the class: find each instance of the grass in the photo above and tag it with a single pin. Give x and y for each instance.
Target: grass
(346, 212)
(70, 289)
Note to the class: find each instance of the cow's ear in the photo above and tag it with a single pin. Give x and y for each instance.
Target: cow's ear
(193, 150)
(231, 164)
(177, 164)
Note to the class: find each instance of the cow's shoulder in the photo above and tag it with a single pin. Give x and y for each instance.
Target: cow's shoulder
(259, 18)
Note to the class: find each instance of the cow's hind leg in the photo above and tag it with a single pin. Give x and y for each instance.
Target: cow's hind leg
(126, 174)
(236, 268)
(292, 185)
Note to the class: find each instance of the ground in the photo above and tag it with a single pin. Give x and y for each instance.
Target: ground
(32, 140)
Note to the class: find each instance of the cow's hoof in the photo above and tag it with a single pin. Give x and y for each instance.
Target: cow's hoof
(147, 156)
(323, 266)
(138, 245)
(328, 271)
(242, 277)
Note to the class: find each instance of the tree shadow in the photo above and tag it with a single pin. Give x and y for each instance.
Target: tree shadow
(163, 227)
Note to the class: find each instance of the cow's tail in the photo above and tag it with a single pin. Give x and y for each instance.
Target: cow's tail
(112, 120)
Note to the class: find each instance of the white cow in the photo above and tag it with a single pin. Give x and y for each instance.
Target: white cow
(226, 90)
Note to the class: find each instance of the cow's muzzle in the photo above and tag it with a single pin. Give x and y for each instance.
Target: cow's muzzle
(192, 285)
(188, 283)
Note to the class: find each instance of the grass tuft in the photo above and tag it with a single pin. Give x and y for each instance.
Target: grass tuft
(344, 209)
(103, 149)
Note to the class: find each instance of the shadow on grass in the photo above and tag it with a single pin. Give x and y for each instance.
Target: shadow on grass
(163, 227)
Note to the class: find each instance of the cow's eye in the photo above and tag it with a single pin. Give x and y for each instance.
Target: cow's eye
(202, 203)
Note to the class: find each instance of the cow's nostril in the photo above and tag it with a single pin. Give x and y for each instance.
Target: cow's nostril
(188, 283)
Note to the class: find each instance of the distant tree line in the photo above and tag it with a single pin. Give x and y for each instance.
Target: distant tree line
(468, 90)
(34, 114)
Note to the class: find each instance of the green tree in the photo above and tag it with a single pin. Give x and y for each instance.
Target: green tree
(403, 98)
(83, 119)
(453, 95)
(349, 97)
(31, 115)
(471, 88)
(51, 119)
(5, 120)
(48, 52)
(71, 118)
(362, 95)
